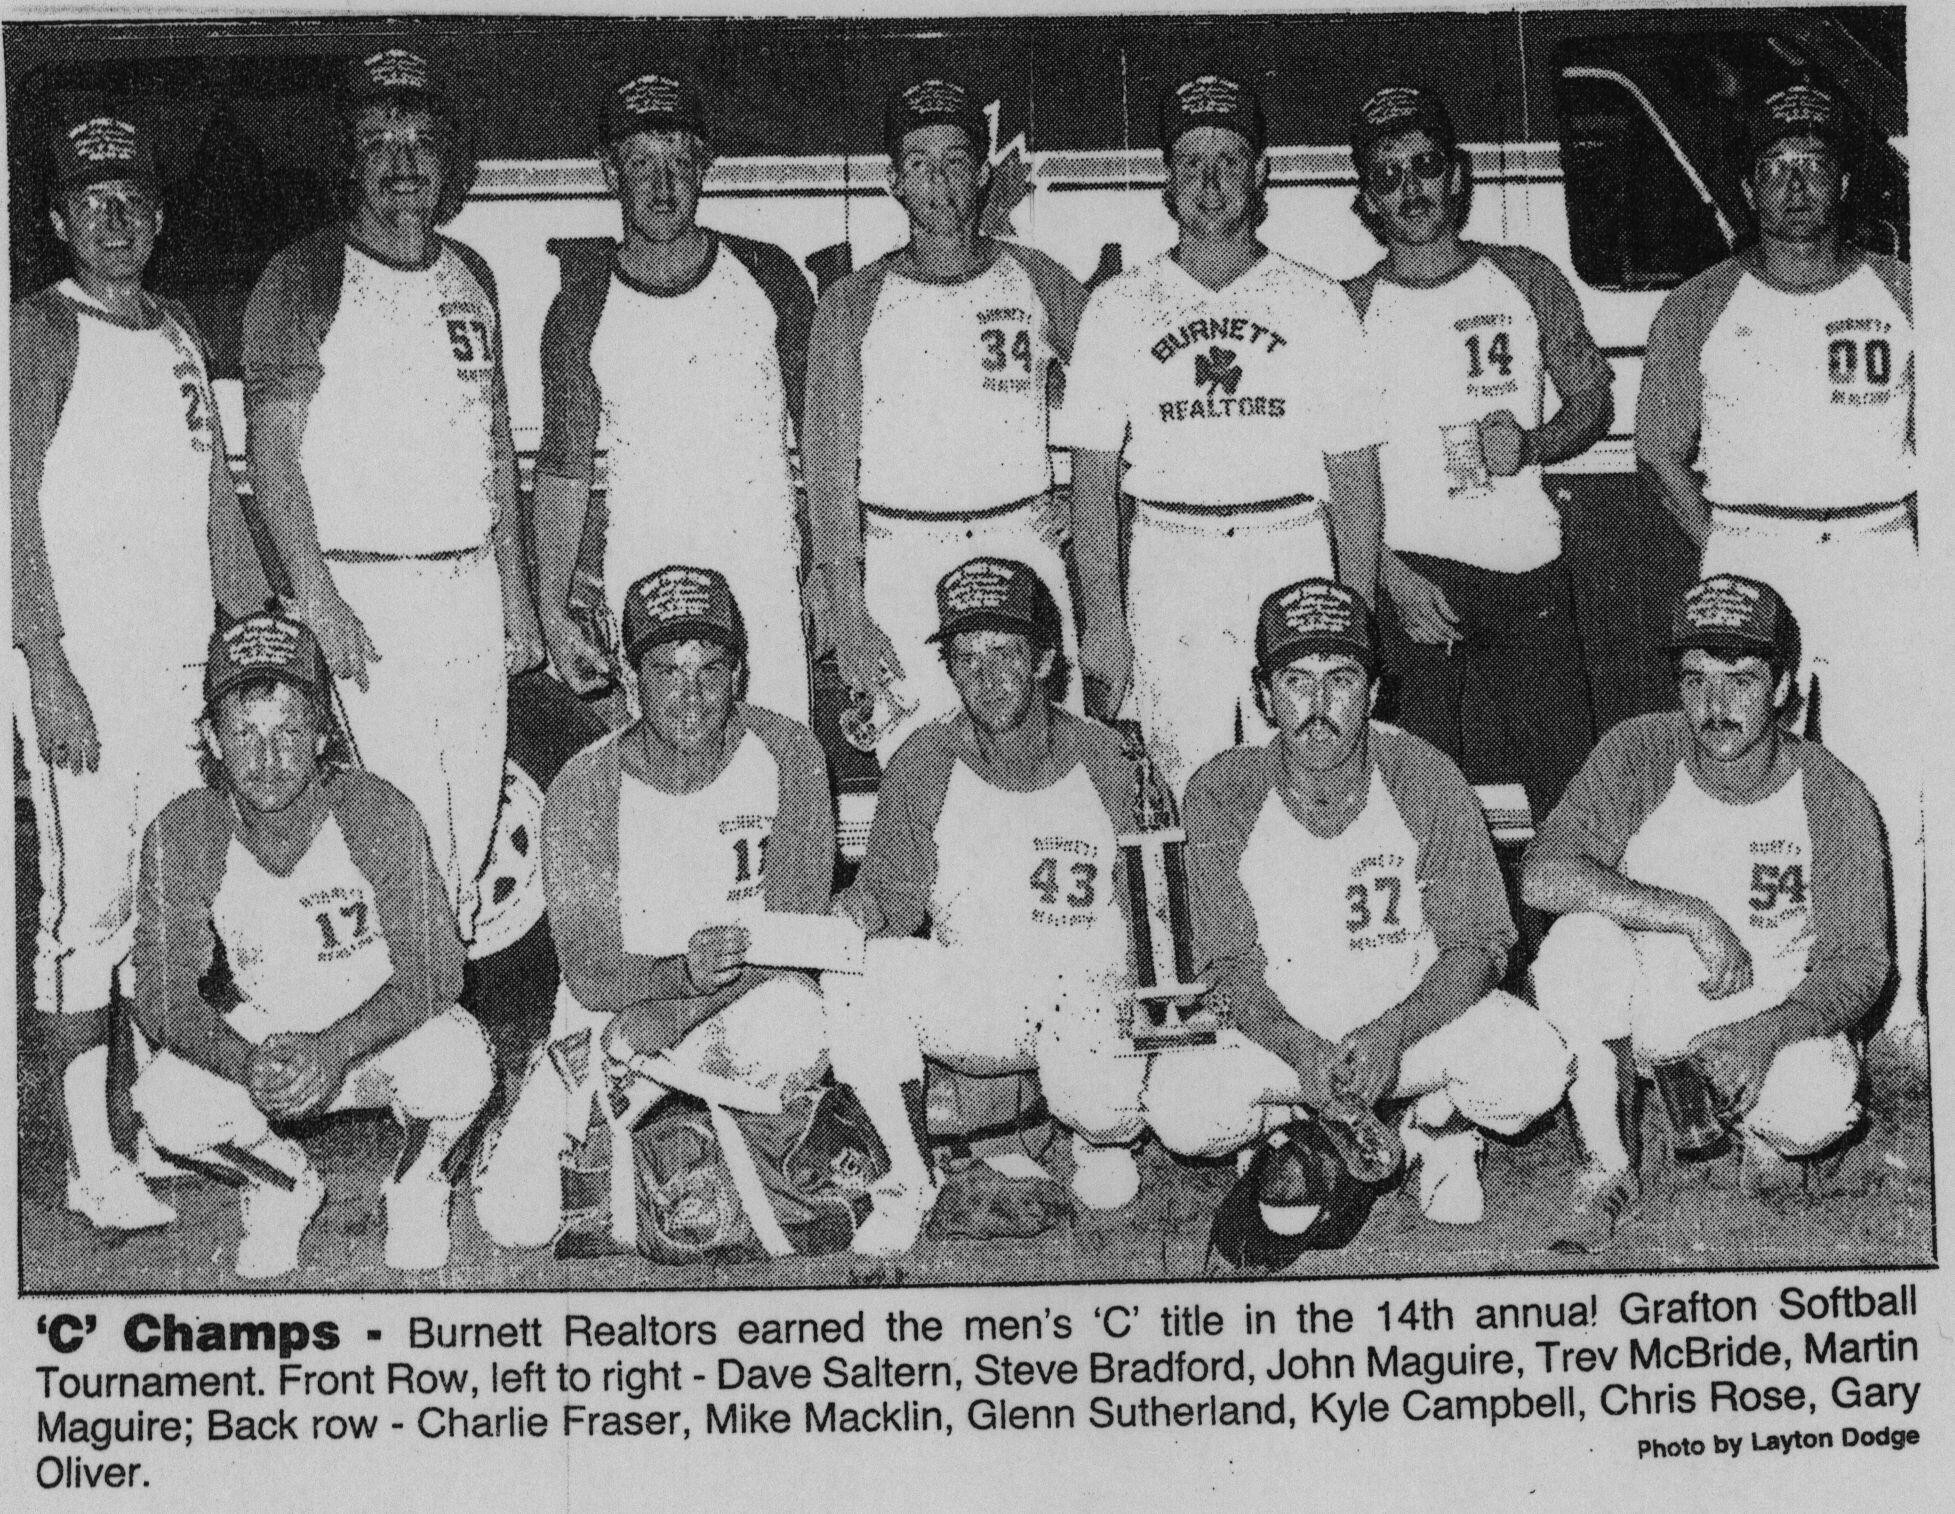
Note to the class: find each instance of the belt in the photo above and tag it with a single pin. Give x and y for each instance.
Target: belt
(951, 515)
(1256, 507)
(1845, 512)
(348, 554)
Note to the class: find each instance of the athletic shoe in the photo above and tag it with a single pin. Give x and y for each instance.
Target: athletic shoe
(417, 1222)
(895, 1220)
(1104, 1177)
(1604, 1199)
(1449, 1171)
(118, 1199)
(275, 1221)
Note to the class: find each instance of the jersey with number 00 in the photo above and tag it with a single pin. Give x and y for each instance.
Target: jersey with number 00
(1221, 397)
(1800, 401)
(1489, 338)
(1340, 928)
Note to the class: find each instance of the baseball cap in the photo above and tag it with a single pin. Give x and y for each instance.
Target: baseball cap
(653, 101)
(681, 604)
(1296, 1196)
(390, 74)
(1316, 615)
(992, 594)
(932, 102)
(262, 646)
(1736, 616)
(1799, 110)
(1212, 100)
(1400, 108)
(101, 148)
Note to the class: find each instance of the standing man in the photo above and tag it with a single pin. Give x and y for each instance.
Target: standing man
(928, 376)
(1467, 337)
(1777, 413)
(682, 353)
(1349, 909)
(1234, 388)
(126, 530)
(1723, 897)
(381, 459)
(317, 882)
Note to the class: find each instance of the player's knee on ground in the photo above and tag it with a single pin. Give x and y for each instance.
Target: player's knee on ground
(1808, 1100)
(1585, 979)
(189, 1110)
(1504, 1065)
(1202, 1102)
(518, 1177)
(443, 1071)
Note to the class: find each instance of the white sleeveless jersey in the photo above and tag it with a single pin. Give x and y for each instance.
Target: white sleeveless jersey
(1449, 355)
(696, 425)
(686, 861)
(306, 950)
(400, 439)
(954, 392)
(1808, 398)
(1341, 920)
(1752, 863)
(1026, 880)
(125, 497)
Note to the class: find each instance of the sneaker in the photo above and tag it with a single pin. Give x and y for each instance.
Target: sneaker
(117, 1198)
(1604, 1198)
(1104, 1177)
(275, 1221)
(1449, 1171)
(895, 1220)
(417, 1222)
(1765, 1172)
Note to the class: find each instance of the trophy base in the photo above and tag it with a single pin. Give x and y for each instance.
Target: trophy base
(1171, 1017)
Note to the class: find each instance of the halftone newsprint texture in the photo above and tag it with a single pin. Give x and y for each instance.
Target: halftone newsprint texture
(900, 728)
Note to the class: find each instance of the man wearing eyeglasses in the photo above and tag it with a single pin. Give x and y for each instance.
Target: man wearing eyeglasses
(1467, 337)
(381, 458)
(1777, 414)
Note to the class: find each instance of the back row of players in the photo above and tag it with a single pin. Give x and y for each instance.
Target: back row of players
(1253, 410)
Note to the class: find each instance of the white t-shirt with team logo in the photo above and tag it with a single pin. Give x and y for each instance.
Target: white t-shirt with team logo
(686, 861)
(306, 950)
(1221, 397)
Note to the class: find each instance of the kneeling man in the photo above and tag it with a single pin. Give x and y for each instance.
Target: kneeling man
(1348, 905)
(999, 825)
(318, 883)
(1723, 892)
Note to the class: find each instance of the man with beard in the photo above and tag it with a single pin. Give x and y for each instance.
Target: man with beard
(1349, 911)
(126, 530)
(317, 882)
(928, 381)
(1484, 644)
(999, 825)
(682, 353)
(1777, 414)
(1234, 388)
(1723, 895)
(381, 459)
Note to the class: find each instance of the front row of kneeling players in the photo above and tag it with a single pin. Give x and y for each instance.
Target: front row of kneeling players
(1722, 888)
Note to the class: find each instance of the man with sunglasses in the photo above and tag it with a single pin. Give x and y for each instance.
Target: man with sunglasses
(381, 459)
(1467, 337)
(1777, 414)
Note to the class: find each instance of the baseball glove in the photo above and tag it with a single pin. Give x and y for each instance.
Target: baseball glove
(985, 1205)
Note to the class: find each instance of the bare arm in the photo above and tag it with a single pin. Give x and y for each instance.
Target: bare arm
(1565, 883)
(1357, 512)
(1106, 650)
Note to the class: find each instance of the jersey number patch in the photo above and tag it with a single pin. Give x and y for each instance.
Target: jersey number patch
(1848, 360)
(1770, 883)
(1388, 887)
(1085, 883)
(469, 338)
(749, 860)
(1500, 354)
(354, 914)
(1001, 349)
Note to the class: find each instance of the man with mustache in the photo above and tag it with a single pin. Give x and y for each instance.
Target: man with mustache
(1467, 336)
(1777, 414)
(1350, 914)
(682, 353)
(1228, 390)
(929, 375)
(382, 463)
(1723, 893)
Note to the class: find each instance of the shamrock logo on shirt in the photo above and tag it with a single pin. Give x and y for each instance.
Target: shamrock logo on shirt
(1218, 370)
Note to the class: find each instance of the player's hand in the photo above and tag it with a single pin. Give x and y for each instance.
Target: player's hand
(64, 725)
(1735, 1059)
(861, 907)
(864, 656)
(1309, 1054)
(1106, 656)
(293, 1075)
(1422, 606)
(342, 636)
(1727, 964)
(579, 664)
(715, 955)
(1503, 443)
(1364, 1065)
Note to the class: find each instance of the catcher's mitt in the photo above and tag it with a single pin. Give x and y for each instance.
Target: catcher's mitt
(985, 1205)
